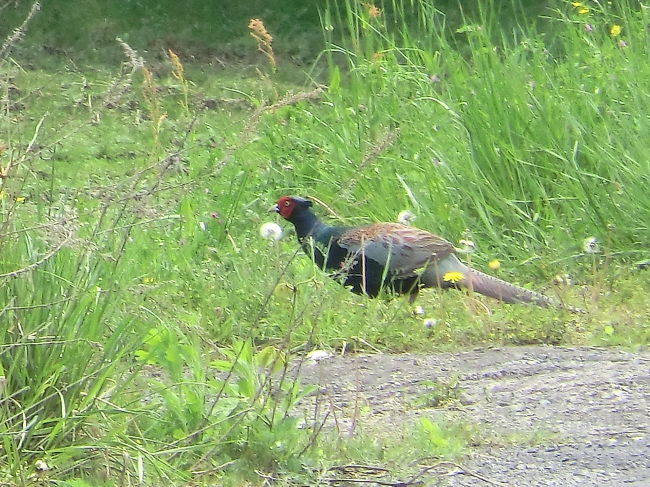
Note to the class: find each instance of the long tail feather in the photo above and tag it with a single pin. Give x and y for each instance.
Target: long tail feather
(493, 287)
(504, 291)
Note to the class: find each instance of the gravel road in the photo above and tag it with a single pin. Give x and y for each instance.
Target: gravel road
(594, 403)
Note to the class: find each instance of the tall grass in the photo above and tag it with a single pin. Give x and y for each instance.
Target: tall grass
(533, 142)
(105, 363)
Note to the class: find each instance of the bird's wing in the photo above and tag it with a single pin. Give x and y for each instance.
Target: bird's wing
(405, 250)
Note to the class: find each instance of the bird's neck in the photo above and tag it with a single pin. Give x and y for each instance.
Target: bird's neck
(306, 223)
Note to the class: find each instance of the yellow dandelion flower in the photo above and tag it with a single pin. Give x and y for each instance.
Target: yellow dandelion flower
(583, 10)
(20, 199)
(576, 4)
(494, 264)
(147, 280)
(453, 277)
(615, 30)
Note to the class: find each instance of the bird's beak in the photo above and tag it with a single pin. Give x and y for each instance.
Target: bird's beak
(274, 209)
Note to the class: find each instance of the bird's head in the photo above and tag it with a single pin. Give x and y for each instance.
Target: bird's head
(289, 206)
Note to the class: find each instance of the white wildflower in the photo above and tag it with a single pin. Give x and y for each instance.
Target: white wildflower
(405, 217)
(202, 226)
(562, 280)
(318, 355)
(418, 311)
(467, 246)
(271, 231)
(590, 245)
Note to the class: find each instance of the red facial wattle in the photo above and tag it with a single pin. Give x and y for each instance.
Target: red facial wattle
(285, 206)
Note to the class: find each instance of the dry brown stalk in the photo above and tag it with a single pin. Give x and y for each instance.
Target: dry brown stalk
(263, 39)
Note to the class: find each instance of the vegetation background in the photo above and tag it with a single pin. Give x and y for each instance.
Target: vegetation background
(147, 327)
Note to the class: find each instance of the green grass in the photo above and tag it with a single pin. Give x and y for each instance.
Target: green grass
(133, 276)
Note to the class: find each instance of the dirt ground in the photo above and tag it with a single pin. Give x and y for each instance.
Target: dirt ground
(593, 404)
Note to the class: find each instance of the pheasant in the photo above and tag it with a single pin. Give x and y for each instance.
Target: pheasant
(393, 257)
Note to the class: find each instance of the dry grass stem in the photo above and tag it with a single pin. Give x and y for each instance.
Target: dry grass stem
(376, 149)
(19, 32)
(135, 60)
(40, 262)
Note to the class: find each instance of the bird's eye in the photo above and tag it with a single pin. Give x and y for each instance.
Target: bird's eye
(287, 203)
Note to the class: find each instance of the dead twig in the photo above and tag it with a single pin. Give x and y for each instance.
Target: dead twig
(368, 468)
(458, 466)
(38, 227)
(397, 483)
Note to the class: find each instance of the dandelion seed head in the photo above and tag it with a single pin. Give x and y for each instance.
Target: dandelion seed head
(562, 280)
(467, 246)
(271, 231)
(318, 355)
(590, 245)
(405, 217)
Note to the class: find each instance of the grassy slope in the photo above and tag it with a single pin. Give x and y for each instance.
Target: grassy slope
(533, 150)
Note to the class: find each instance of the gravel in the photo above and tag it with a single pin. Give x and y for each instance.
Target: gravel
(593, 405)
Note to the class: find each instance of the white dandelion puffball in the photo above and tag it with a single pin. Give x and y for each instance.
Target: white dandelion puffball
(318, 355)
(467, 246)
(562, 280)
(271, 231)
(590, 245)
(405, 217)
